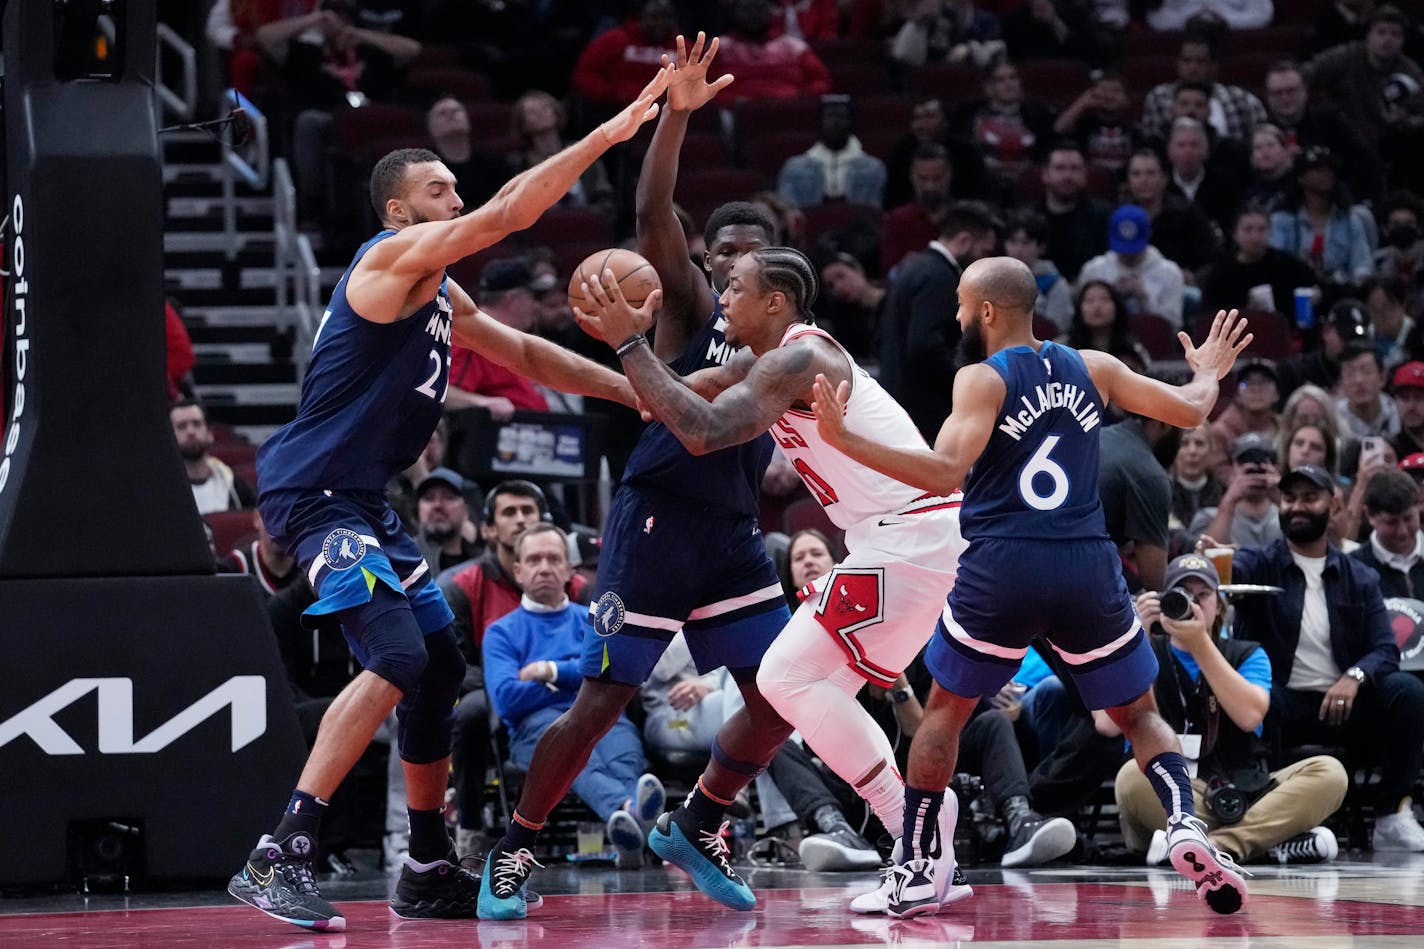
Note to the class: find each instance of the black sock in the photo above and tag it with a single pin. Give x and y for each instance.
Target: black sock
(701, 809)
(303, 814)
(1167, 773)
(921, 822)
(429, 840)
(521, 836)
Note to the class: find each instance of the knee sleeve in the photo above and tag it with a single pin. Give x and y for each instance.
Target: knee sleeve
(386, 637)
(426, 714)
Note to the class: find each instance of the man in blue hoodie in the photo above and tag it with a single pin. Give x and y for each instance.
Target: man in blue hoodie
(531, 663)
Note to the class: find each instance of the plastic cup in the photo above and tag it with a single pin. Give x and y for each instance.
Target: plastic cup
(1304, 307)
(1220, 558)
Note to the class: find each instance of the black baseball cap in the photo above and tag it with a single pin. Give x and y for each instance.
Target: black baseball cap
(1314, 474)
(1191, 565)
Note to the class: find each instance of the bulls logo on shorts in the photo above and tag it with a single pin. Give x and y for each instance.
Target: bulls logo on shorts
(607, 614)
(852, 600)
(343, 549)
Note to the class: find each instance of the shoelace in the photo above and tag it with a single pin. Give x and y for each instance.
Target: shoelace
(1297, 847)
(714, 843)
(1222, 857)
(509, 871)
(299, 874)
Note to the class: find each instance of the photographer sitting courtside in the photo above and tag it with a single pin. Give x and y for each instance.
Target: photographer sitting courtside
(1214, 693)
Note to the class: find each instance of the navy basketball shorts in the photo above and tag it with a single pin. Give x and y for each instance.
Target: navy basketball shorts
(348, 541)
(667, 565)
(1071, 592)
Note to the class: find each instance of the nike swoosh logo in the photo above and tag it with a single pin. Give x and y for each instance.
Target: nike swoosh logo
(886, 522)
(257, 875)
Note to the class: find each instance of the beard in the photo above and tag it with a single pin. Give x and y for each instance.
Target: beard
(1304, 528)
(971, 347)
(440, 533)
(193, 451)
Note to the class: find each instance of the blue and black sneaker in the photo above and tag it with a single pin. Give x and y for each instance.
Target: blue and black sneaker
(278, 880)
(502, 883)
(704, 856)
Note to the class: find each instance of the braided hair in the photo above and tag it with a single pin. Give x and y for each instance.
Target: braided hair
(790, 271)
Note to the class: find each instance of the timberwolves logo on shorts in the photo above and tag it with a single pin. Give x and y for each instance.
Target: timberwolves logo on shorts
(607, 614)
(343, 549)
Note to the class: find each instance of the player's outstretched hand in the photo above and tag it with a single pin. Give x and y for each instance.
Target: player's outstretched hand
(1222, 345)
(688, 89)
(829, 406)
(610, 316)
(625, 124)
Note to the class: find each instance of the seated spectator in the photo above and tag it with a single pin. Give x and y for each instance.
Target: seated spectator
(911, 226)
(806, 19)
(1196, 177)
(1100, 322)
(531, 663)
(1247, 515)
(1363, 405)
(808, 556)
(1234, 111)
(1194, 482)
(929, 126)
(767, 66)
(836, 167)
(1077, 224)
(616, 64)
(1272, 162)
(1306, 124)
(1147, 281)
(1396, 545)
(1251, 409)
(788, 223)
(1098, 119)
(1408, 395)
(507, 293)
(853, 304)
(1339, 21)
(1309, 443)
(1373, 82)
(443, 521)
(1181, 230)
(1009, 130)
(1192, 100)
(231, 29)
(1026, 239)
(478, 173)
(215, 487)
(1334, 661)
(537, 120)
(1396, 338)
(954, 31)
(265, 559)
(1318, 225)
(1214, 693)
(1346, 322)
(1401, 255)
(1309, 404)
(1253, 274)
(1236, 14)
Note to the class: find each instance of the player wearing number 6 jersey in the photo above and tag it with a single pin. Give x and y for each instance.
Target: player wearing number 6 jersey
(1023, 441)
(872, 614)
(370, 400)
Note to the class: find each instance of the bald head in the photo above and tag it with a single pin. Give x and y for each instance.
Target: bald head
(1005, 282)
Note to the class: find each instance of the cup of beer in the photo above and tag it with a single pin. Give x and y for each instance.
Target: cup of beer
(1220, 558)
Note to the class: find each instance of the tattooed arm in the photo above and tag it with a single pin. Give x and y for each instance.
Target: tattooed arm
(776, 382)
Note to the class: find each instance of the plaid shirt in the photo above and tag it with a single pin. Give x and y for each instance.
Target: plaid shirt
(1241, 111)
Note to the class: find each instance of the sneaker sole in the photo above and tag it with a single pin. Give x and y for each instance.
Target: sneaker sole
(490, 907)
(1054, 839)
(919, 908)
(647, 810)
(677, 850)
(956, 894)
(1220, 888)
(821, 855)
(335, 924)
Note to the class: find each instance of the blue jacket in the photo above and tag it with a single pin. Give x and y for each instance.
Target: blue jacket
(519, 638)
(1360, 633)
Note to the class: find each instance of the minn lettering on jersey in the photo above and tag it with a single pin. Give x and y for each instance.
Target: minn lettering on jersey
(439, 325)
(1054, 395)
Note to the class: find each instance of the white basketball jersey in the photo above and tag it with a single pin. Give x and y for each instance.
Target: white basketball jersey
(847, 490)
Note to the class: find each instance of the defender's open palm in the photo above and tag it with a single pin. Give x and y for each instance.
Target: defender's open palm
(688, 89)
(625, 124)
(829, 406)
(610, 316)
(1222, 345)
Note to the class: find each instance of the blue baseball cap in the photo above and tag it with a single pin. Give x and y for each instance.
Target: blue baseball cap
(1129, 230)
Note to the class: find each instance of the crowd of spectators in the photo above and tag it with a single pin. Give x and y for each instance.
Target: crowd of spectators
(1151, 162)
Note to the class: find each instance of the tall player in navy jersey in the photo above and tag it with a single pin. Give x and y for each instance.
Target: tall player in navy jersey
(681, 550)
(371, 398)
(1023, 441)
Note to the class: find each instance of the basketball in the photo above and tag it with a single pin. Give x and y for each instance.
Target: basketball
(636, 277)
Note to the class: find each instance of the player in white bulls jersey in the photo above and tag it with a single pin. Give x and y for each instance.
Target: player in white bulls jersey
(871, 615)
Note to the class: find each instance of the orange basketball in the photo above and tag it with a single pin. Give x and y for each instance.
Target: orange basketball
(636, 277)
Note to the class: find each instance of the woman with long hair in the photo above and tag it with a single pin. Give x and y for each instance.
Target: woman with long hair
(1100, 321)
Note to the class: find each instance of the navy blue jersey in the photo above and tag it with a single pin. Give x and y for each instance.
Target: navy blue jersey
(1038, 475)
(729, 479)
(371, 398)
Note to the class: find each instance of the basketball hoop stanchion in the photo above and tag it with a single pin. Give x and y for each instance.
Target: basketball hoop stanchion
(136, 680)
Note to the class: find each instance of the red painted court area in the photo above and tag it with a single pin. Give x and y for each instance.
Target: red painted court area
(1324, 910)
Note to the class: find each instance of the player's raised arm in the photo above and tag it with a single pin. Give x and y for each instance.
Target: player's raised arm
(532, 356)
(978, 396)
(660, 235)
(1187, 405)
(427, 247)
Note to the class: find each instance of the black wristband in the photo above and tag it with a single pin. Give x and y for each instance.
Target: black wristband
(631, 343)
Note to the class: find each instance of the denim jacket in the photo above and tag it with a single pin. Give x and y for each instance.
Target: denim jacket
(1360, 633)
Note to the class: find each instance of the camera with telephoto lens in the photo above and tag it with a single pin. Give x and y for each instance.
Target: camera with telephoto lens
(1226, 801)
(1176, 604)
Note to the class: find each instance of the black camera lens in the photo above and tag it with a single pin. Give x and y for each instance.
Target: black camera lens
(1227, 803)
(1176, 604)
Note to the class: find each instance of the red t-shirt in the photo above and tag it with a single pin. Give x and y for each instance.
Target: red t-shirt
(474, 373)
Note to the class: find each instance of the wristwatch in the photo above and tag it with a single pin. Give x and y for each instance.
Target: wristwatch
(1356, 673)
(902, 695)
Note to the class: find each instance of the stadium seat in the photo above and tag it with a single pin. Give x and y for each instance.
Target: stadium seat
(754, 119)
(768, 152)
(807, 513)
(1157, 335)
(859, 79)
(560, 225)
(363, 131)
(700, 192)
(423, 83)
(1273, 335)
(950, 82)
(835, 215)
(1054, 81)
(490, 124)
(231, 529)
